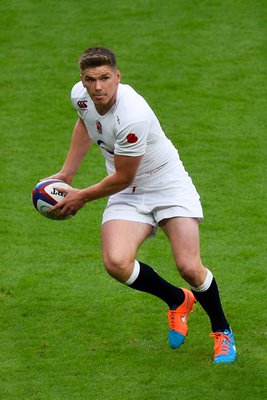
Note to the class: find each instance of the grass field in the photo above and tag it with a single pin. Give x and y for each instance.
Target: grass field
(67, 331)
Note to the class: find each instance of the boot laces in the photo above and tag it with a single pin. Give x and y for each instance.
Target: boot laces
(222, 343)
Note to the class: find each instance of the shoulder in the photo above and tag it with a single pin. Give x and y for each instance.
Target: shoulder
(127, 93)
(79, 96)
(130, 104)
(78, 90)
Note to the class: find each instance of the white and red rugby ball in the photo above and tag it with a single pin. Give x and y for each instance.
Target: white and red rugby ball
(46, 194)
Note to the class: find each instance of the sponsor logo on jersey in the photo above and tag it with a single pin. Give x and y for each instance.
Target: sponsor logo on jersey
(82, 104)
(104, 147)
(99, 127)
(132, 138)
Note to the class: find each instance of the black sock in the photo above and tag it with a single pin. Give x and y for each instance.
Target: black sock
(150, 282)
(210, 301)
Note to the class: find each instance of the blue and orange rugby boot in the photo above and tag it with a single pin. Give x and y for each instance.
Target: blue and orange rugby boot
(224, 347)
(178, 320)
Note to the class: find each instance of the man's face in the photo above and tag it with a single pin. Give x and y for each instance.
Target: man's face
(101, 84)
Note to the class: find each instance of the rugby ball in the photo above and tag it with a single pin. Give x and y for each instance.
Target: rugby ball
(46, 194)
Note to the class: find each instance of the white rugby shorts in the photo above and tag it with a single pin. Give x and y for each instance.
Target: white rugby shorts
(165, 196)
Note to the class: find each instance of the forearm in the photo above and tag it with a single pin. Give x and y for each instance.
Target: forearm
(80, 145)
(109, 185)
(125, 171)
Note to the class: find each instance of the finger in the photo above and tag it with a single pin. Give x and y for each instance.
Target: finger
(47, 178)
(44, 179)
(57, 207)
(61, 189)
(64, 212)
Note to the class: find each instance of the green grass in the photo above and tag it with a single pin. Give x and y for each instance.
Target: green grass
(69, 332)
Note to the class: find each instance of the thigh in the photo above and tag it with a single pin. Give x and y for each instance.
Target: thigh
(120, 242)
(183, 234)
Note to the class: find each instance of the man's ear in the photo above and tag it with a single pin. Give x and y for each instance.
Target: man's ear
(81, 78)
(118, 76)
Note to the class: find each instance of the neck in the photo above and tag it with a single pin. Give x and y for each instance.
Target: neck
(102, 109)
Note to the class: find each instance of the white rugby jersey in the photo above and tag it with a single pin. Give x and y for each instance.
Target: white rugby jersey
(129, 128)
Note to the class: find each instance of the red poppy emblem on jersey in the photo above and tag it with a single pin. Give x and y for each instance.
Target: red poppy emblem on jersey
(132, 138)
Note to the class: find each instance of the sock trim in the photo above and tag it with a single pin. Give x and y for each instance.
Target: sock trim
(134, 275)
(206, 284)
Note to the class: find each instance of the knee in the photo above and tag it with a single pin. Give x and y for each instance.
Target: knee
(117, 266)
(192, 271)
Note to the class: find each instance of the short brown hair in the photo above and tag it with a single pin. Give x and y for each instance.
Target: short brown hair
(96, 57)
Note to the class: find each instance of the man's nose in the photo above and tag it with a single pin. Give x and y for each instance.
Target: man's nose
(98, 85)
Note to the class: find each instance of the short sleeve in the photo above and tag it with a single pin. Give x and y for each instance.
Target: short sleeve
(78, 102)
(132, 140)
